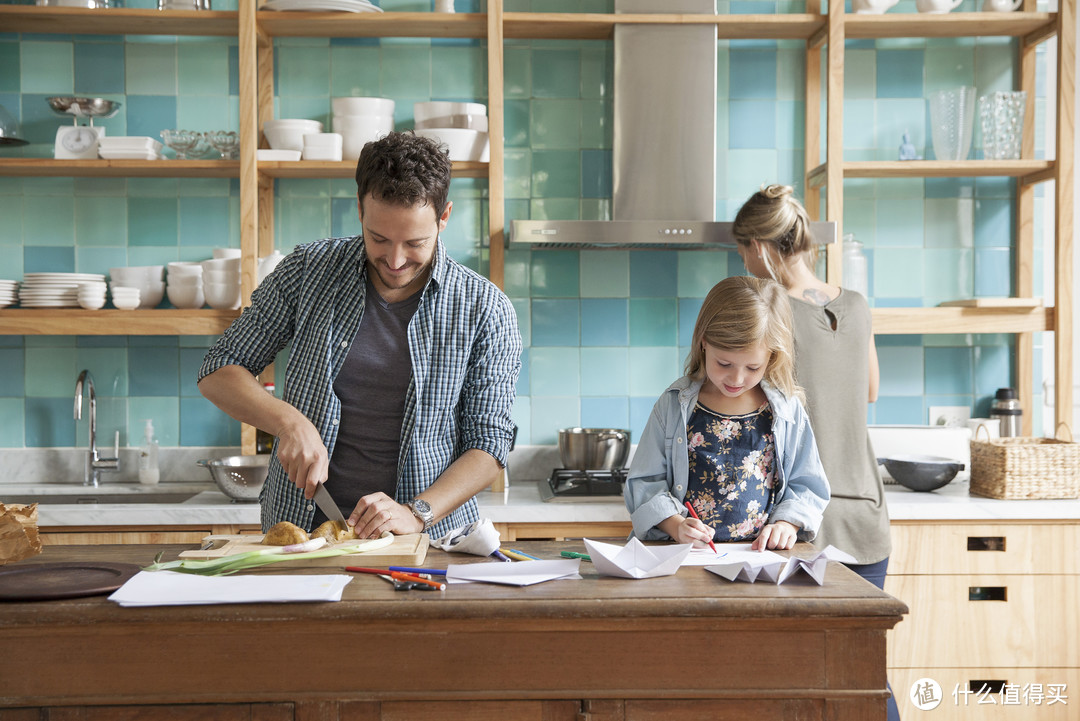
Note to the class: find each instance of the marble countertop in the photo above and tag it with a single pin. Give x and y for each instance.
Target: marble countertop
(519, 504)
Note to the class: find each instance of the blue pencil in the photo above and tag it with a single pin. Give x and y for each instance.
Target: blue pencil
(500, 555)
(418, 571)
(522, 553)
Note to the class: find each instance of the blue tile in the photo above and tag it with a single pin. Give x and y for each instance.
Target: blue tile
(688, 313)
(190, 361)
(555, 371)
(993, 369)
(640, 410)
(549, 414)
(605, 412)
(901, 371)
(654, 273)
(653, 322)
(204, 221)
(555, 322)
(150, 114)
(345, 217)
(900, 73)
(596, 172)
(604, 371)
(554, 274)
(752, 74)
(12, 423)
(48, 260)
(752, 124)
(993, 272)
(13, 364)
(948, 371)
(203, 424)
(50, 422)
(153, 371)
(99, 68)
(605, 322)
(524, 377)
(899, 410)
(994, 222)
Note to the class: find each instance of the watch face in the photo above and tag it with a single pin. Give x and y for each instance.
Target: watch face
(79, 140)
(421, 506)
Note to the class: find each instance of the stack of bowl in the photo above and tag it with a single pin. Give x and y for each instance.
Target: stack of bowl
(288, 133)
(462, 127)
(149, 279)
(221, 283)
(184, 285)
(360, 120)
(125, 298)
(92, 294)
(322, 146)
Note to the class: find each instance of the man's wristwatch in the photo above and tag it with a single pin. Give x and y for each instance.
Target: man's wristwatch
(422, 510)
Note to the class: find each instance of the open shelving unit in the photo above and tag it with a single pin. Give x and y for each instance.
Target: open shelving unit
(823, 33)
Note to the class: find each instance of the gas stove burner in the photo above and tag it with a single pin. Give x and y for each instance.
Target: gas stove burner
(567, 484)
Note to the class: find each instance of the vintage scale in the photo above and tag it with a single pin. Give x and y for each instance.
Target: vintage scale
(80, 142)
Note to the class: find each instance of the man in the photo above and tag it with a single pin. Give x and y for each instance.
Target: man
(403, 364)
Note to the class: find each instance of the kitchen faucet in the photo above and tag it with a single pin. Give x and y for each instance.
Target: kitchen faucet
(94, 464)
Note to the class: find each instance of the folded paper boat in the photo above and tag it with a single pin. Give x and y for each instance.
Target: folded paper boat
(635, 559)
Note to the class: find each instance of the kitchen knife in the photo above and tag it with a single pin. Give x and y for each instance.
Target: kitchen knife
(326, 504)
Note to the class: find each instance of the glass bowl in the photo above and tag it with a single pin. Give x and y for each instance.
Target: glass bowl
(184, 142)
(226, 142)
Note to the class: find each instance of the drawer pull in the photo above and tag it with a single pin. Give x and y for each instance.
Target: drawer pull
(986, 543)
(987, 686)
(988, 593)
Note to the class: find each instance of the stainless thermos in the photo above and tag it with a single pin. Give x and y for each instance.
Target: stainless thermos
(1006, 408)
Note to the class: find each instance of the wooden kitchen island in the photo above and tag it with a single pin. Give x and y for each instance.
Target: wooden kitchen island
(687, 646)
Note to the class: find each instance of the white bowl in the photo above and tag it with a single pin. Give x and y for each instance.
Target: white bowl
(150, 293)
(184, 280)
(362, 123)
(265, 154)
(125, 298)
(94, 286)
(184, 269)
(440, 108)
(224, 296)
(232, 264)
(322, 140)
(141, 272)
(220, 253)
(186, 296)
(288, 135)
(93, 302)
(459, 120)
(462, 144)
(220, 276)
(362, 106)
(317, 153)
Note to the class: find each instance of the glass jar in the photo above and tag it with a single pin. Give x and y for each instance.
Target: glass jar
(855, 268)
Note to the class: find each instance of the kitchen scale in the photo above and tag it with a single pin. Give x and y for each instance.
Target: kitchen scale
(80, 142)
(570, 485)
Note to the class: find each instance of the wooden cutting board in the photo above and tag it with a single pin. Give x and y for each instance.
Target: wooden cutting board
(407, 550)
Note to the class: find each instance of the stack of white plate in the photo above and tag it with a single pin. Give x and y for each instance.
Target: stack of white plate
(129, 147)
(340, 6)
(9, 292)
(54, 290)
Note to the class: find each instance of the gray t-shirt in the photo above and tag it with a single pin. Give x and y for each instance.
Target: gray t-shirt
(372, 386)
(831, 364)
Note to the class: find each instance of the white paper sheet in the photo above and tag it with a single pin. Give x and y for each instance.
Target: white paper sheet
(169, 588)
(750, 565)
(704, 556)
(635, 559)
(518, 573)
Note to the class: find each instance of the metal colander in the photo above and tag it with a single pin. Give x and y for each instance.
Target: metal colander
(239, 477)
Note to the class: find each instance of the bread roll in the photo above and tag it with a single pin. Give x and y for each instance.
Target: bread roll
(285, 534)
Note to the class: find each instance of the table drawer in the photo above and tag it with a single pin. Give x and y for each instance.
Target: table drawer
(986, 621)
(927, 548)
(1018, 694)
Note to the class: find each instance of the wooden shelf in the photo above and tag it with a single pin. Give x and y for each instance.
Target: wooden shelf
(951, 25)
(116, 21)
(76, 321)
(1026, 169)
(596, 26)
(347, 169)
(369, 25)
(908, 321)
(49, 168)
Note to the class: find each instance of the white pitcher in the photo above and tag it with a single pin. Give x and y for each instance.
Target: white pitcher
(1001, 6)
(872, 7)
(936, 7)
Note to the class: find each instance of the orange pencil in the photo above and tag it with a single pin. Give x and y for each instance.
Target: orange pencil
(694, 514)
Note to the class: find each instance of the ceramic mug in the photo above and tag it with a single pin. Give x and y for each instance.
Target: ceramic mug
(872, 7)
(936, 7)
(1001, 6)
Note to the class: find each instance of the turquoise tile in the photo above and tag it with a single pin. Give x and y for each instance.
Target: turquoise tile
(204, 112)
(597, 72)
(895, 117)
(860, 121)
(554, 274)
(108, 366)
(605, 322)
(640, 410)
(653, 321)
(46, 67)
(604, 372)
(554, 371)
(747, 170)
(993, 369)
(11, 230)
(12, 379)
(149, 255)
(900, 410)
(300, 220)
(48, 220)
(202, 424)
(521, 415)
(11, 79)
(900, 73)
(790, 74)
(860, 75)
(699, 271)
(859, 220)
(556, 173)
(556, 73)
(516, 124)
(950, 187)
(949, 223)
(605, 413)
(993, 273)
(752, 124)
(203, 69)
(517, 167)
(517, 81)
(790, 126)
(302, 71)
(555, 124)
(99, 67)
(516, 274)
(752, 74)
(994, 222)
(947, 275)
(165, 414)
(191, 360)
(948, 371)
(524, 380)
(150, 69)
(116, 187)
(605, 274)
(901, 371)
(947, 67)
(652, 370)
(50, 374)
(148, 115)
(596, 174)
(12, 423)
(595, 209)
(688, 313)
(900, 223)
(555, 322)
(993, 70)
(49, 423)
(406, 71)
(654, 273)
(549, 414)
(554, 209)
(202, 220)
(154, 371)
(45, 259)
(344, 220)
(100, 221)
(354, 71)
(897, 273)
(596, 123)
(305, 106)
(459, 72)
(523, 311)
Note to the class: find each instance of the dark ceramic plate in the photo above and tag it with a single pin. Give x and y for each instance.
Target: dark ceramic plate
(46, 581)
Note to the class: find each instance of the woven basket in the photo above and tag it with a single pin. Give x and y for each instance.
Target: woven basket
(1024, 468)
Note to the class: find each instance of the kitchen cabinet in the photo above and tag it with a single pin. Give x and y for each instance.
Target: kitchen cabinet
(991, 604)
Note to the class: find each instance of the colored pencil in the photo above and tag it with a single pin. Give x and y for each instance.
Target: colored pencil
(514, 555)
(522, 553)
(419, 571)
(575, 554)
(398, 575)
(695, 515)
(499, 555)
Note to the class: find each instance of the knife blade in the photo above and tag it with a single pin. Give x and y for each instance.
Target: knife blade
(326, 504)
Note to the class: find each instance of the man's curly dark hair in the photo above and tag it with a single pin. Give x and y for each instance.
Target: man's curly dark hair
(404, 169)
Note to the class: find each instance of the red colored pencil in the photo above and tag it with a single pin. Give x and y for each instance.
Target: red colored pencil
(694, 514)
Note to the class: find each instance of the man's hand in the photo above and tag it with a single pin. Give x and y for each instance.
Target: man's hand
(780, 535)
(377, 513)
(303, 455)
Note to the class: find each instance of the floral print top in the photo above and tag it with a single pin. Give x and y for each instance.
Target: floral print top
(732, 470)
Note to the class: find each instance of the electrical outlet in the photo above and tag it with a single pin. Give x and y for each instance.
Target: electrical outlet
(949, 415)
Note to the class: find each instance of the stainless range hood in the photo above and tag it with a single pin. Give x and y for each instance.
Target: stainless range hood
(664, 153)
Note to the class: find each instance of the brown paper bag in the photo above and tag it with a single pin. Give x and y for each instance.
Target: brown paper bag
(18, 533)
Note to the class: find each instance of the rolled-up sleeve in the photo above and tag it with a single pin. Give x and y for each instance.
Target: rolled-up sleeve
(648, 494)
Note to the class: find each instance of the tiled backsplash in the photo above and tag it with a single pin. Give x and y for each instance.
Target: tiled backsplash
(604, 331)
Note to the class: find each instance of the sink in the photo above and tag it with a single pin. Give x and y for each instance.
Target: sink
(90, 496)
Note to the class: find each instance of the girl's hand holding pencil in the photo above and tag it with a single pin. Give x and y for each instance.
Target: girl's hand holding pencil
(688, 529)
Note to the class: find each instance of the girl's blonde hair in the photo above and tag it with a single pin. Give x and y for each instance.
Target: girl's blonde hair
(774, 217)
(739, 313)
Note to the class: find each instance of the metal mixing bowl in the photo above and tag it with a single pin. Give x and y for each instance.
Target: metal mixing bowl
(921, 473)
(593, 449)
(239, 477)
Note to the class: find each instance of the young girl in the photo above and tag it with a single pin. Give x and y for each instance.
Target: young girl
(731, 437)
